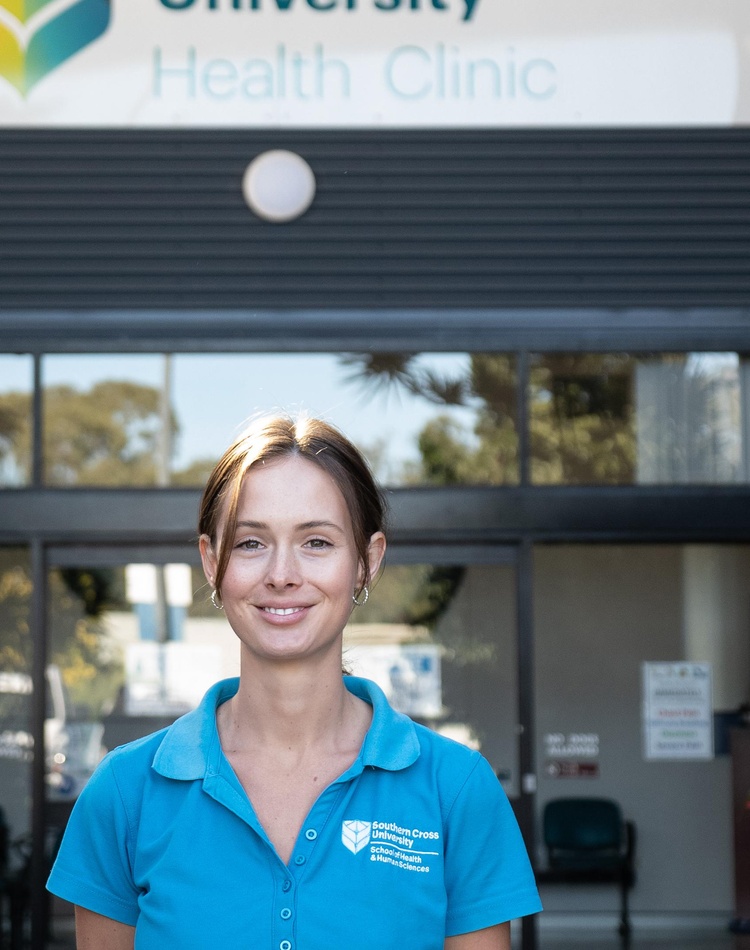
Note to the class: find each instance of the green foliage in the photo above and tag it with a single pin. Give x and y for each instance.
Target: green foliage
(15, 433)
(15, 600)
(449, 459)
(449, 454)
(92, 587)
(194, 474)
(437, 591)
(91, 666)
(580, 431)
(415, 594)
(107, 436)
(581, 421)
(581, 428)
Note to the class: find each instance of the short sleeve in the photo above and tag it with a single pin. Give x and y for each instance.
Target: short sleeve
(488, 875)
(93, 868)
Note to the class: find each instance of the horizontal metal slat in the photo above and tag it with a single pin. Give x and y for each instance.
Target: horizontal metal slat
(508, 217)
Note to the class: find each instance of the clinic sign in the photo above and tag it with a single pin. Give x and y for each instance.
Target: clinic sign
(677, 711)
(370, 63)
(326, 6)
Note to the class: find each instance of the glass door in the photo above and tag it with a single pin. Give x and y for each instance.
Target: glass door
(16, 714)
(642, 659)
(438, 634)
(446, 633)
(133, 642)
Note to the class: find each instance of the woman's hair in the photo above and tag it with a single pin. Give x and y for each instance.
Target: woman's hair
(277, 437)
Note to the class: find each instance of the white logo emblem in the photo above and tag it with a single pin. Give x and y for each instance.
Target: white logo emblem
(356, 835)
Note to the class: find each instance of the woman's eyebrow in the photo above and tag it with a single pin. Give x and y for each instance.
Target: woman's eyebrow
(308, 525)
(304, 526)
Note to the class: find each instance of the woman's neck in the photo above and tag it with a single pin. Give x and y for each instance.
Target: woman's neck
(291, 707)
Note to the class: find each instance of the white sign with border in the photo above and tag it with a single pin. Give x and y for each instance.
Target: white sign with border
(677, 711)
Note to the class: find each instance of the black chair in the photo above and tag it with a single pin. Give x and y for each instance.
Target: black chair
(589, 842)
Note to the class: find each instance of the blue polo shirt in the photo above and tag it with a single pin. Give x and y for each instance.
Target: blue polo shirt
(414, 842)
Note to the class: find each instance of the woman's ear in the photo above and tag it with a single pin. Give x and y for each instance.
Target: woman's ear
(375, 553)
(208, 558)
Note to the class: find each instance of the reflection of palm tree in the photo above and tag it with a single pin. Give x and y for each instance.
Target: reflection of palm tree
(380, 372)
(452, 452)
(437, 590)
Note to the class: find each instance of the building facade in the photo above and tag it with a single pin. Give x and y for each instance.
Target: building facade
(521, 286)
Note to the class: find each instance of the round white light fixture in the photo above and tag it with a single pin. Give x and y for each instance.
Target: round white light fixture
(278, 185)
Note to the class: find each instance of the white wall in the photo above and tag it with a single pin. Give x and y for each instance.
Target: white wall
(716, 617)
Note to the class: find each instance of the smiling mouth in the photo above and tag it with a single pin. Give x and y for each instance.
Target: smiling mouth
(282, 611)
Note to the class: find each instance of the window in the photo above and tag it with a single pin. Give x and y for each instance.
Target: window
(16, 386)
(421, 418)
(619, 419)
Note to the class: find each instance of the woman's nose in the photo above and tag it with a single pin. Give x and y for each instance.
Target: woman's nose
(283, 570)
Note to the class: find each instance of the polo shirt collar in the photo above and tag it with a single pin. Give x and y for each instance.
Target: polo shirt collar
(391, 742)
(190, 744)
(186, 749)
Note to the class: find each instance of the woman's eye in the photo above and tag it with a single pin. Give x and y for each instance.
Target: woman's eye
(318, 543)
(250, 544)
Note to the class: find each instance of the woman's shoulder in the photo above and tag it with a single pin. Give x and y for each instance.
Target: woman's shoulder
(143, 748)
(460, 777)
(451, 764)
(446, 748)
(127, 766)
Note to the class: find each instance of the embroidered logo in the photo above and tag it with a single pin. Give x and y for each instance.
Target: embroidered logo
(356, 835)
(36, 36)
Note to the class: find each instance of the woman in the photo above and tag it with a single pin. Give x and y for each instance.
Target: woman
(294, 808)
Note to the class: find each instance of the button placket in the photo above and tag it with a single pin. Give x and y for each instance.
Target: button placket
(305, 845)
(285, 915)
(307, 837)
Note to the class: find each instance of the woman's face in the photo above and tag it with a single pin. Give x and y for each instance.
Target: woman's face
(287, 591)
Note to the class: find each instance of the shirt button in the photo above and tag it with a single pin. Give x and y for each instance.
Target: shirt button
(311, 834)
(286, 886)
(285, 945)
(300, 859)
(286, 913)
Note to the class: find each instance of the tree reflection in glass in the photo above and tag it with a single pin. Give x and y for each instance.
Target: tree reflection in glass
(16, 383)
(440, 640)
(619, 419)
(450, 452)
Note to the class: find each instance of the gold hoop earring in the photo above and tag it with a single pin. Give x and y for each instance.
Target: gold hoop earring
(364, 594)
(214, 596)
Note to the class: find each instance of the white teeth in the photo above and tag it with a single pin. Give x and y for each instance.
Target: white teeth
(282, 611)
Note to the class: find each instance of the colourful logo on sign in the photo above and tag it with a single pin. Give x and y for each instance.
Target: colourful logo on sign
(35, 39)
